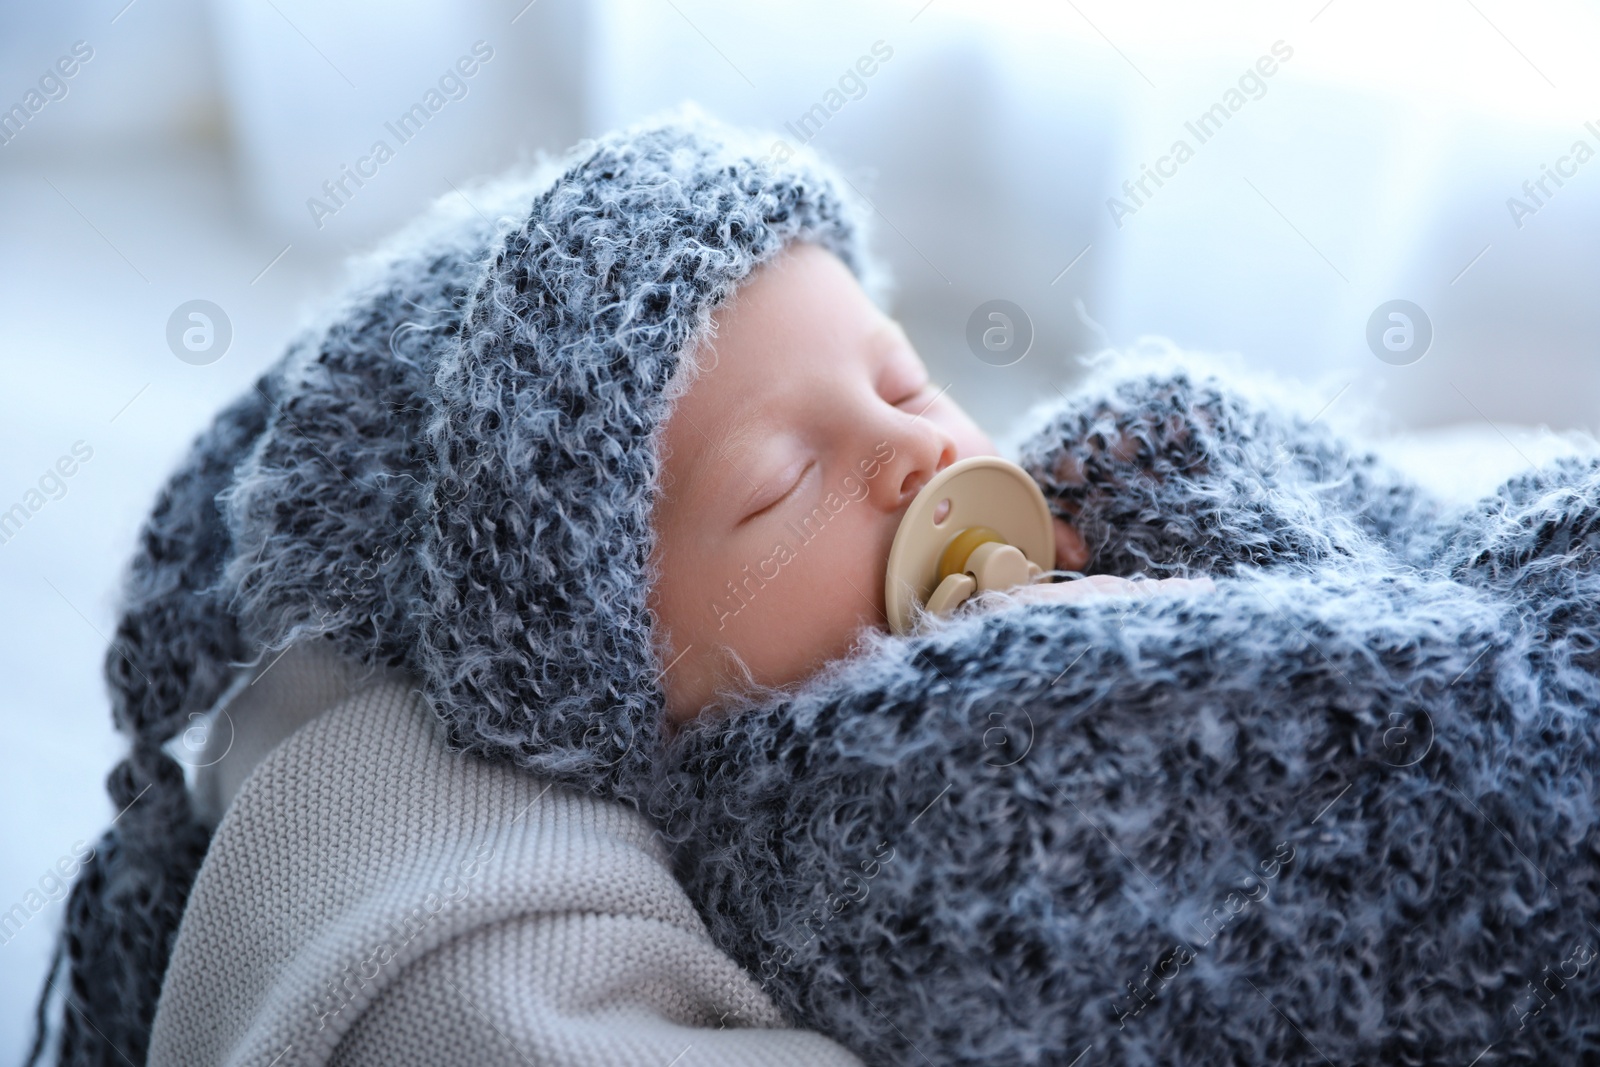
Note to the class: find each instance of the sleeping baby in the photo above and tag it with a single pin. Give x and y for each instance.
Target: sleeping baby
(1313, 786)
(810, 426)
(1275, 759)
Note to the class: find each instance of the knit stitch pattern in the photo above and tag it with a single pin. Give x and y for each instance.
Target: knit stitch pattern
(374, 899)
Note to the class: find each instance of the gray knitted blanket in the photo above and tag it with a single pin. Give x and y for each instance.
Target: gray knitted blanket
(1343, 810)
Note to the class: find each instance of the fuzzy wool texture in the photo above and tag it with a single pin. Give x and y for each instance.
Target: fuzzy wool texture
(544, 465)
(1343, 809)
(451, 472)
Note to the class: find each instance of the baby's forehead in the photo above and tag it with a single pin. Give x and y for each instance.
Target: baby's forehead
(748, 427)
(783, 350)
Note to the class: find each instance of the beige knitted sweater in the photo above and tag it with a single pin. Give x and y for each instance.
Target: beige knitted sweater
(372, 898)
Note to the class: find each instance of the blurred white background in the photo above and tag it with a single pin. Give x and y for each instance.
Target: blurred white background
(177, 161)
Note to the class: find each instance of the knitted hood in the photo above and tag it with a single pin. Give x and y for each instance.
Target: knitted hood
(535, 637)
(453, 474)
(505, 555)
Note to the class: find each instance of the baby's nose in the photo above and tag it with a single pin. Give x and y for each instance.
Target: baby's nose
(939, 456)
(913, 482)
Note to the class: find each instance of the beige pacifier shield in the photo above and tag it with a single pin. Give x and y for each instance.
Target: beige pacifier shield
(982, 491)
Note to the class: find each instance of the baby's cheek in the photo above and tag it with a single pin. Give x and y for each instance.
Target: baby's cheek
(838, 592)
(810, 608)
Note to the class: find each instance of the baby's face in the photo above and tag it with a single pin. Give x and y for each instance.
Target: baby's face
(788, 464)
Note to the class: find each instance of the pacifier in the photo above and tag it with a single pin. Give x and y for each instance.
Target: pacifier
(980, 525)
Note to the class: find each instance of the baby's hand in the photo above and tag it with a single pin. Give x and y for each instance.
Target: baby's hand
(1106, 585)
(1072, 551)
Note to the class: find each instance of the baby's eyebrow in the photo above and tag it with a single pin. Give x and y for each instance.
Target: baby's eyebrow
(737, 450)
(738, 442)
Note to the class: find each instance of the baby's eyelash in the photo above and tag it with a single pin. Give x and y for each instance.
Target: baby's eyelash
(914, 394)
(785, 495)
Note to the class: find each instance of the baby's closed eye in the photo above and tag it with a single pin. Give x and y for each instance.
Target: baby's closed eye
(773, 491)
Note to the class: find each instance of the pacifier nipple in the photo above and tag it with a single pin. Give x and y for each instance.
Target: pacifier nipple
(980, 525)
